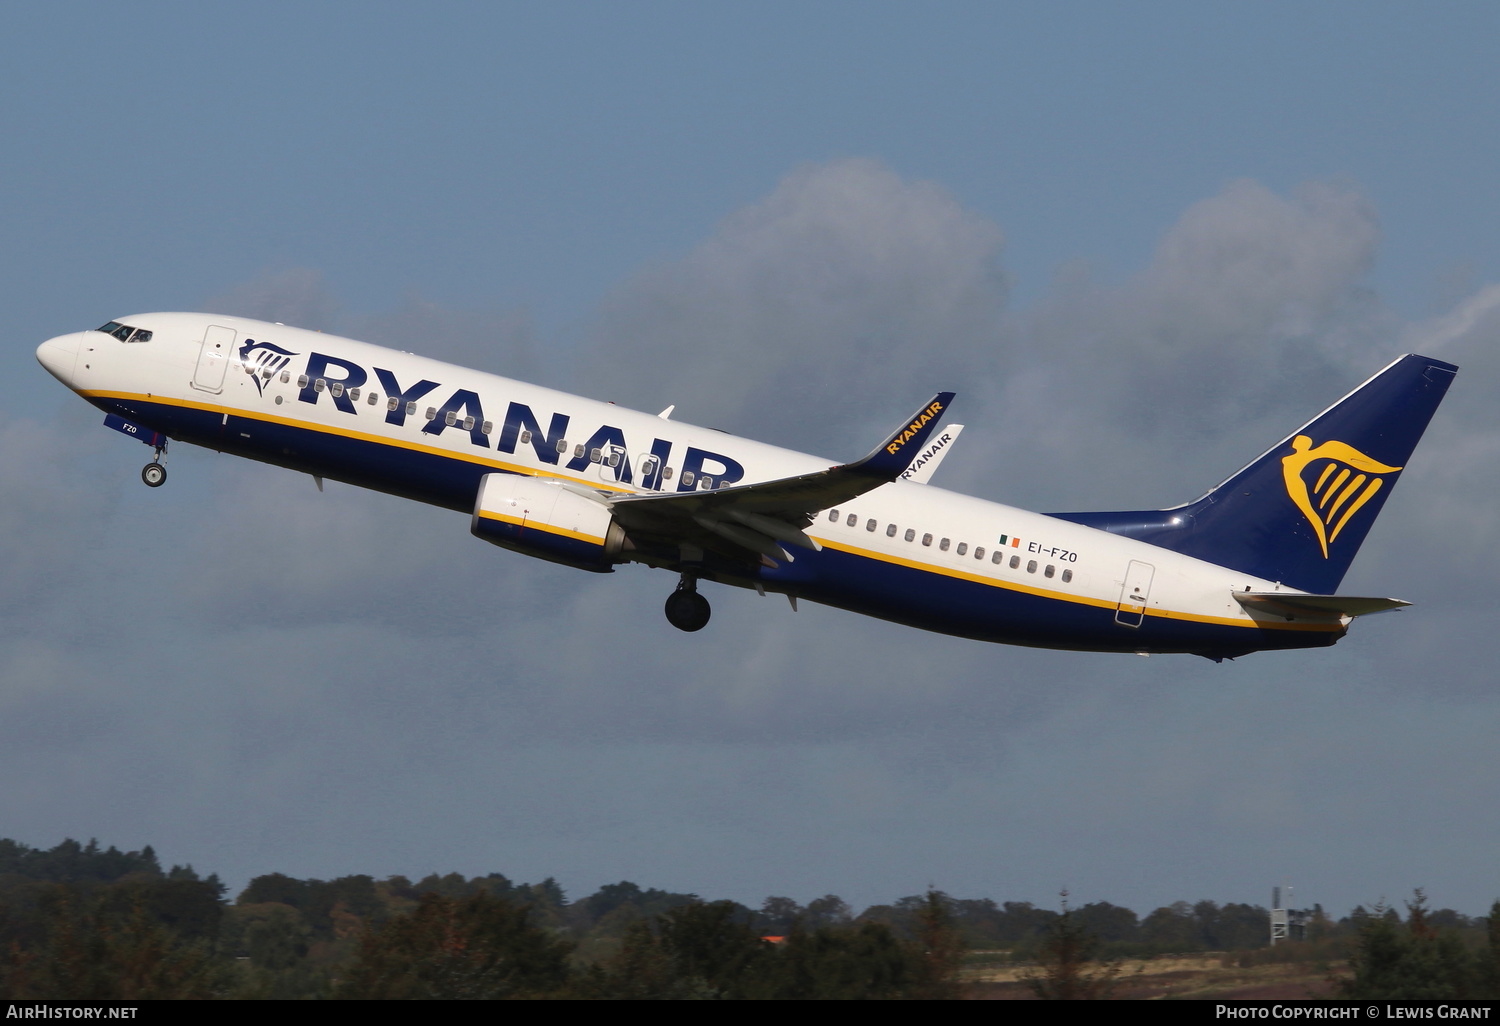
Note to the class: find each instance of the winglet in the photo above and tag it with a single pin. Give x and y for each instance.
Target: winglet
(926, 461)
(896, 453)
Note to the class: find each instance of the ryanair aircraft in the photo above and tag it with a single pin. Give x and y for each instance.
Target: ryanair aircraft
(1251, 565)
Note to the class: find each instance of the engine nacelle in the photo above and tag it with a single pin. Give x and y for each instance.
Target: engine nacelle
(547, 518)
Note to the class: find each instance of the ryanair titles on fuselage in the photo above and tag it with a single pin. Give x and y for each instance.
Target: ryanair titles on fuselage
(521, 426)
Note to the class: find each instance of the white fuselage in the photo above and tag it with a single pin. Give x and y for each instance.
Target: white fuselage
(906, 552)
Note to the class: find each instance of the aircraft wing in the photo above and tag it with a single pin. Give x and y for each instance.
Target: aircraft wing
(761, 517)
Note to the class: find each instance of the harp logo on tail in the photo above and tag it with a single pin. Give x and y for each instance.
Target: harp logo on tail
(1343, 479)
(263, 360)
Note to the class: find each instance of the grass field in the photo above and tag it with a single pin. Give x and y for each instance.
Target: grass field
(1181, 977)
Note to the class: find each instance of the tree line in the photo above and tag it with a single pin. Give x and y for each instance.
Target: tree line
(78, 921)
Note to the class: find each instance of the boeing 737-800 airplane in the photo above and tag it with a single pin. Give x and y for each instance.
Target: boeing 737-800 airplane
(1251, 565)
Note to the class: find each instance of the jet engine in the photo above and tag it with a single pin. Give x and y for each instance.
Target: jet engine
(555, 520)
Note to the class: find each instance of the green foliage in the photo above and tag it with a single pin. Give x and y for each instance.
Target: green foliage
(107, 946)
(940, 948)
(83, 922)
(71, 862)
(853, 962)
(1066, 970)
(1418, 962)
(713, 942)
(480, 947)
(708, 950)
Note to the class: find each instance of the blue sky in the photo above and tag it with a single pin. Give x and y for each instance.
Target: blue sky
(1231, 213)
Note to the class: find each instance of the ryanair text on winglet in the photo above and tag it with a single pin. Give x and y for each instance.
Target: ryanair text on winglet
(894, 446)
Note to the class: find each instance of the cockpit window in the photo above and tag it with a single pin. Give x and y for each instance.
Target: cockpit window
(125, 333)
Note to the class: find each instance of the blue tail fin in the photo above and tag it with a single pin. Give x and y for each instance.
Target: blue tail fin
(1299, 513)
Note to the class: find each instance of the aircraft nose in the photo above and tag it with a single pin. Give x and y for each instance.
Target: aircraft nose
(59, 355)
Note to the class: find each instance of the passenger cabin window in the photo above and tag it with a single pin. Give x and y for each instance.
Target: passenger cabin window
(562, 444)
(687, 478)
(833, 516)
(943, 545)
(1067, 576)
(705, 483)
(1049, 571)
(337, 389)
(525, 437)
(1031, 566)
(963, 548)
(1015, 561)
(890, 532)
(926, 539)
(910, 534)
(372, 398)
(595, 455)
(852, 520)
(666, 473)
(488, 428)
(353, 394)
(432, 413)
(998, 557)
(979, 552)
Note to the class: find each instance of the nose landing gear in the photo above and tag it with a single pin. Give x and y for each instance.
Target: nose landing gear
(686, 609)
(154, 473)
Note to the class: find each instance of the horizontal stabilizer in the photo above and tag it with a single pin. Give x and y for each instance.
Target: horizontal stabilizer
(1320, 606)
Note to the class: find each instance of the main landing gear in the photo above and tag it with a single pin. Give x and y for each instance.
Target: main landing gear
(154, 473)
(686, 609)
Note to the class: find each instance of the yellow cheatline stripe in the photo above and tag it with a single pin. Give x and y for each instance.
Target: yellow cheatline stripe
(1081, 600)
(545, 528)
(363, 436)
(533, 472)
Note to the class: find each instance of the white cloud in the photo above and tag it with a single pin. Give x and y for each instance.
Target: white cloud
(813, 317)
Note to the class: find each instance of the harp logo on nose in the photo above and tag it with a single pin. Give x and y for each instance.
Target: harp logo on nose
(263, 360)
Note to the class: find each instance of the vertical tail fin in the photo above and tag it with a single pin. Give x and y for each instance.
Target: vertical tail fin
(1299, 513)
